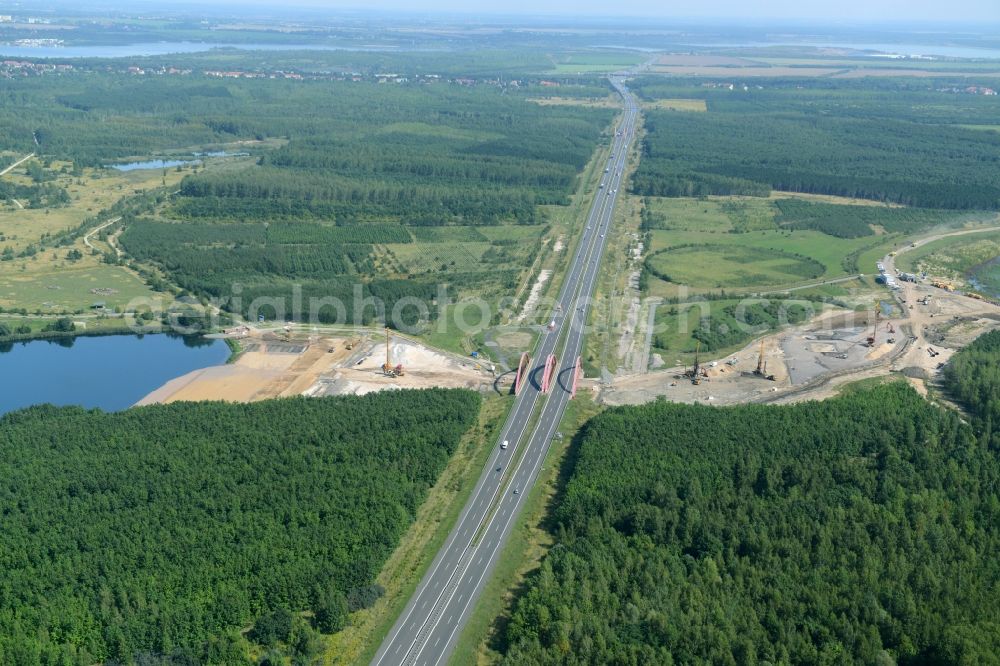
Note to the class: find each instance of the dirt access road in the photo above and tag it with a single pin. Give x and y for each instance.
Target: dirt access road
(16, 164)
(812, 361)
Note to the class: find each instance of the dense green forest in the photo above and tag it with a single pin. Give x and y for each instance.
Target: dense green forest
(366, 169)
(428, 155)
(885, 140)
(861, 529)
(973, 378)
(165, 530)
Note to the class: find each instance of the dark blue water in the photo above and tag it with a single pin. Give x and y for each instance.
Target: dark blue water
(153, 164)
(111, 372)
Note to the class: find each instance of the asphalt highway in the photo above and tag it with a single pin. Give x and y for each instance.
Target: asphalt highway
(429, 626)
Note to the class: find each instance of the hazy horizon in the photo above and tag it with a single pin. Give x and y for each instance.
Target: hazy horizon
(842, 14)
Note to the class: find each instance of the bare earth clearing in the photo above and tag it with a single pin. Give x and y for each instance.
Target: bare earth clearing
(281, 365)
(811, 361)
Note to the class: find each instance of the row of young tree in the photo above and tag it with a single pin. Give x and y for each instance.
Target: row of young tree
(856, 221)
(861, 529)
(276, 194)
(258, 269)
(169, 529)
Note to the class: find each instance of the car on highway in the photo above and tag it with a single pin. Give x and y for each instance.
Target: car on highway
(505, 444)
(516, 491)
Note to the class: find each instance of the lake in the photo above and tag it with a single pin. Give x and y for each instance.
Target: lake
(950, 51)
(152, 164)
(111, 372)
(158, 48)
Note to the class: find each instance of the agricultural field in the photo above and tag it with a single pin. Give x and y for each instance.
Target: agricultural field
(600, 102)
(591, 62)
(58, 286)
(717, 258)
(744, 244)
(709, 214)
(725, 266)
(677, 104)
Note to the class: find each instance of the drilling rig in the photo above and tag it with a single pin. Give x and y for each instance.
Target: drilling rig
(761, 369)
(871, 338)
(696, 373)
(387, 368)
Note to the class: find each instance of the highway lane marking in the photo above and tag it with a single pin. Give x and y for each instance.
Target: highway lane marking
(495, 551)
(440, 560)
(514, 418)
(548, 346)
(630, 115)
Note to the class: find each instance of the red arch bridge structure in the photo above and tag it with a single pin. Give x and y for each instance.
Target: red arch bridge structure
(577, 376)
(549, 373)
(523, 367)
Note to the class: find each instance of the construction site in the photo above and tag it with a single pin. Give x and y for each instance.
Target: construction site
(912, 329)
(285, 362)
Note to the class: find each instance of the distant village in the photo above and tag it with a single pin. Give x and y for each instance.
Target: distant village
(11, 68)
(970, 90)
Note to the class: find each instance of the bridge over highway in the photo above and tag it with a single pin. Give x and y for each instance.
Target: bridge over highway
(429, 626)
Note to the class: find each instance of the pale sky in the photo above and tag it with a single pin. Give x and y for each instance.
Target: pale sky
(839, 11)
